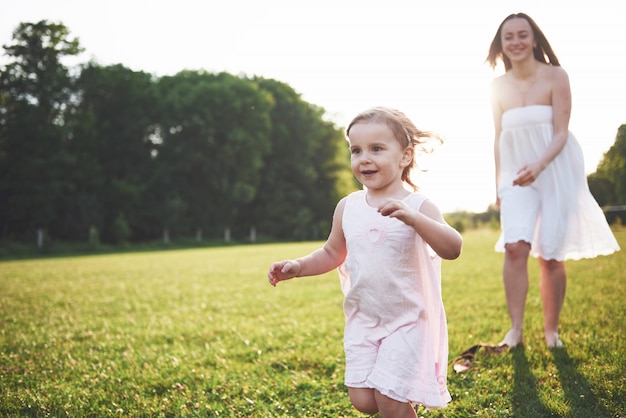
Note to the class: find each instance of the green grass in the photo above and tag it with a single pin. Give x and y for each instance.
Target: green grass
(200, 332)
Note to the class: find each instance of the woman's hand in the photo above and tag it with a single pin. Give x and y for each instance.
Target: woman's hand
(528, 174)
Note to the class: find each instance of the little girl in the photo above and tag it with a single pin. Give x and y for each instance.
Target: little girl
(388, 243)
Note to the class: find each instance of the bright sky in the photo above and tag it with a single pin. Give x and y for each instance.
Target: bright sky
(424, 57)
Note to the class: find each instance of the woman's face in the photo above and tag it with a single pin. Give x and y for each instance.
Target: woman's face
(517, 39)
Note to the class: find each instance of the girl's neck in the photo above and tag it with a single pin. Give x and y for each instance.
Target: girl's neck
(377, 196)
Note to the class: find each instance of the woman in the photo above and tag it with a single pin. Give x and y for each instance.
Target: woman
(546, 208)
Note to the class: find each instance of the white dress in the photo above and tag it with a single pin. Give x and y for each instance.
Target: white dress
(557, 213)
(396, 337)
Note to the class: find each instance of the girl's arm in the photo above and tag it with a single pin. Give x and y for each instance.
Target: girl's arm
(320, 261)
(429, 224)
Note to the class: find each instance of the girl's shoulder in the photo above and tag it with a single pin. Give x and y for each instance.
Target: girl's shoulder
(359, 194)
(415, 199)
(351, 199)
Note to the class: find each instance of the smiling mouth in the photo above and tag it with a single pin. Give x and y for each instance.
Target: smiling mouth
(368, 172)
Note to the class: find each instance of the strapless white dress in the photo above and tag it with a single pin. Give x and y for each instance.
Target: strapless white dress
(557, 214)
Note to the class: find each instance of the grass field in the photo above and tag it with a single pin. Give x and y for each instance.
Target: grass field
(201, 333)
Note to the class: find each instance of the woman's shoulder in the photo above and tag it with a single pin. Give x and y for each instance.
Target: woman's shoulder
(556, 77)
(501, 83)
(553, 72)
(500, 79)
(556, 69)
(557, 73)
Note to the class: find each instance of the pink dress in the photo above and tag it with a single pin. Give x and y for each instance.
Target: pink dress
(396, 337)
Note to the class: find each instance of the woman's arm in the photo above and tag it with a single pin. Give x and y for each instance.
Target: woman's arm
(561, 109)
(496, 112)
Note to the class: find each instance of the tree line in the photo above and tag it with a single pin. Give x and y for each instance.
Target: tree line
(125, 156)
(109, 154)
(608, 182)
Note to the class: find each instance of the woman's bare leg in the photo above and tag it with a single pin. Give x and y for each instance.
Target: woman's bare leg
(553, 284)
(515, 277)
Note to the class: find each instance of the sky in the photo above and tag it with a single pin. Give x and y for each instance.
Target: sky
(424, 57)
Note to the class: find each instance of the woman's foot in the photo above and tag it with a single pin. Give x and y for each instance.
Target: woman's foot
(512, 339)
(553, 340)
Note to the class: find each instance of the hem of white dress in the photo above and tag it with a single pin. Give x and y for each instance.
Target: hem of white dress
(570, 255)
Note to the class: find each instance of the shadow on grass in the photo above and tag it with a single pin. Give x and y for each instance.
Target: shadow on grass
(526, 402)
(576, 387)
(577, 390)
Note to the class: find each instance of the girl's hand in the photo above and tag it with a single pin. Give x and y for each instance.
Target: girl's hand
(528, 174)
(283, 270)
(397, 209)
(429, 224)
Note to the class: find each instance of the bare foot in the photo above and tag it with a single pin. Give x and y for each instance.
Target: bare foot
(554, 341)
(512, 339)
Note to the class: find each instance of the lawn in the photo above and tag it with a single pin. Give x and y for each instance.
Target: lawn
(200, 332)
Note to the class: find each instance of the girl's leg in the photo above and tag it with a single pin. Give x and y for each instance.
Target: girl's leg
(552, 286)
(371, 401)
(515, 277)
(390, 408)
(363, 400)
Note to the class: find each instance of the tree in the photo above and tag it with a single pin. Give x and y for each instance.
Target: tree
(215, 134)
(306, 172)
(608, 183)
(115, 128)
(37, 93)
(124, 156)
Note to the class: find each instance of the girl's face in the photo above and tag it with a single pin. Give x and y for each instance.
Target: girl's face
(518, 39)
(377, 157)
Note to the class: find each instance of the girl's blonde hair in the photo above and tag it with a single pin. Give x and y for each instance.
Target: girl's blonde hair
(404, 130)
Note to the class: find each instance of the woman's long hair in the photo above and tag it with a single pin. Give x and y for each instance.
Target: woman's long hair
(542, 51)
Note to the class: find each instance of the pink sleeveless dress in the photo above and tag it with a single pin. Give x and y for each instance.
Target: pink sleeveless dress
(396, 337)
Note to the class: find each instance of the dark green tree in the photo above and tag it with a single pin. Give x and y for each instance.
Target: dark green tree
(215, 133)
(608, 183)
(124, 156)
(37, 95)
(115, 127)
(304, 175)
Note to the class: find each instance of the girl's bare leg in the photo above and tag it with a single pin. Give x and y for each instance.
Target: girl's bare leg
(515, 277)
(552, 286)
(363, 400)
(371, 401)
(390, 408)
